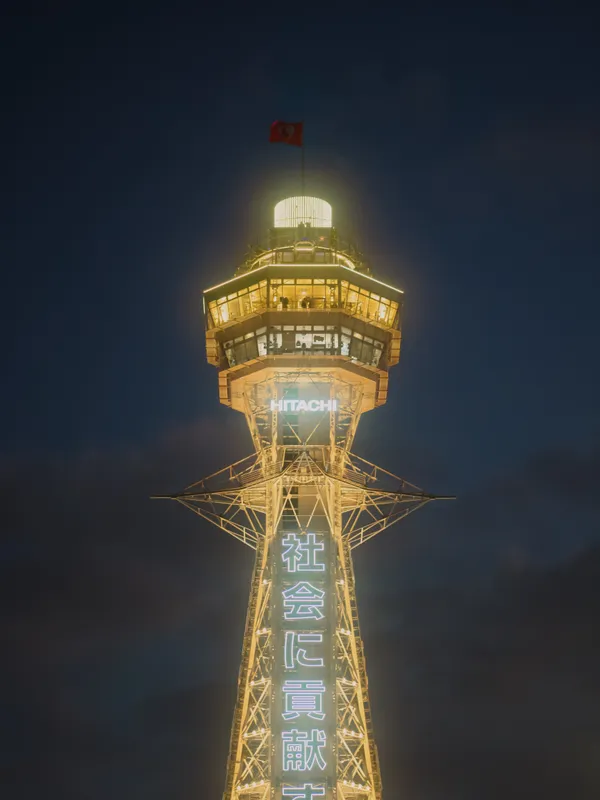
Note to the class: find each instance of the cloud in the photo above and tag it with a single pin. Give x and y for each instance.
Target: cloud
(108, 598)
(560, 153)
(124, 617)
(494, 690)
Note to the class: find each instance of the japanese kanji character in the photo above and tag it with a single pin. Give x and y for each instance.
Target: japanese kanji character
(302, 750)
(303, 601)
(300, 553)
(303, 697)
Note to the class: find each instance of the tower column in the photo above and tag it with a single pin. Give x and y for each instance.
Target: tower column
(303, 337)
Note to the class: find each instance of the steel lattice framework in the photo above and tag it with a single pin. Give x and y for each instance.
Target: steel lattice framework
(303, 338)
(249, 499)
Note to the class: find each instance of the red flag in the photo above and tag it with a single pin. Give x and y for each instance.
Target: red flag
(287, 132)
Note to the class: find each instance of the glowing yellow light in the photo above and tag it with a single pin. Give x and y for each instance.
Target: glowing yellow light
(289, 213)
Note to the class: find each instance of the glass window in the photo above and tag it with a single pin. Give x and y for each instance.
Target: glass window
(356, 349)
(288, 294)
(213, 313)
(331, 341)
(304, 341)
(344, 293)
(377, 353)
(319, 342)
(373, 307)
(251, 349)
(289, 339)
(275, 340)
(223, 313)
(332, 294)
(245, 303)
(345, 349)
(366, 355)
(363, 303)
(313, 339)
(319, 295)
(262, 290)
(352, 301)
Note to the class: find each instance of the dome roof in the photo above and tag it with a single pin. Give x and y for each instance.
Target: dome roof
(289, 213)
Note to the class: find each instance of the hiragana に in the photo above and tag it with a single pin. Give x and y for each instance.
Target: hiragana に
(296, 656)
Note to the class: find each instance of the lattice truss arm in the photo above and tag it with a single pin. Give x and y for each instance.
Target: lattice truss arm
(235, 498)
(372, 499)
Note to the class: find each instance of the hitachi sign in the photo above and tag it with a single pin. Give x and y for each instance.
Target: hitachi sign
(303, 405)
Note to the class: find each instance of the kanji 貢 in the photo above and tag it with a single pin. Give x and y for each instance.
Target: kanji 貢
(303, 697)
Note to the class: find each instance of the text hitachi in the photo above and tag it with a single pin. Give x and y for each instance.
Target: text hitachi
(303, 405)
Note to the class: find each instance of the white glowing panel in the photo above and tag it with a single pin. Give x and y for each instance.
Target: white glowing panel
(303, 750)
(303, 405)
(289, 213)
(300, 553)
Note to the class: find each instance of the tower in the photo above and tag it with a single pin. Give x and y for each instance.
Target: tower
(303, 337)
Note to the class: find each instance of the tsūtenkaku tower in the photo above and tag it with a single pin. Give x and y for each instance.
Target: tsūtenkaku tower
(302, 338)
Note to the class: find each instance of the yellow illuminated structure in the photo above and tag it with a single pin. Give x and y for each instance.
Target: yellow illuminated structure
(303, 337)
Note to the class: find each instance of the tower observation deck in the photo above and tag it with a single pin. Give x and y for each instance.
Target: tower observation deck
(303, 337)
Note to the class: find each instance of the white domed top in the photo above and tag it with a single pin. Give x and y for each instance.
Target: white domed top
(289, 213)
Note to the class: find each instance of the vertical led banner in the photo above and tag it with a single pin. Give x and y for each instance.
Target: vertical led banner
(304, 712)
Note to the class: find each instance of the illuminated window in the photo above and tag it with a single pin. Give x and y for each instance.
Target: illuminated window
(292, 211)
(261, 341)
(246, 301)
(304, 339)
(298, 294)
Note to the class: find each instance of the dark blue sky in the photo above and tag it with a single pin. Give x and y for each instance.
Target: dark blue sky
(460, 149)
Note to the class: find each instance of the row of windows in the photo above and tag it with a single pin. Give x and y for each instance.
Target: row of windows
(304, 339)
(303, 293)
(301, 255)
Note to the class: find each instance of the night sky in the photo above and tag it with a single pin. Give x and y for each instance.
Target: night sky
(460, 149)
